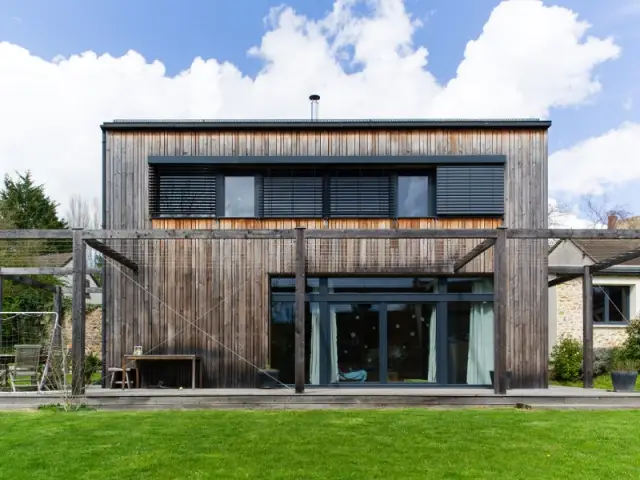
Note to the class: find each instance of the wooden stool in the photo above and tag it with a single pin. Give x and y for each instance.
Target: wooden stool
(123, 377)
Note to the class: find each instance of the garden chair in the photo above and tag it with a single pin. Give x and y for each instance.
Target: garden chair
(26, 365)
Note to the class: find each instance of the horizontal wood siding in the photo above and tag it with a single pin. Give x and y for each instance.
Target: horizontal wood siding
(221, 287)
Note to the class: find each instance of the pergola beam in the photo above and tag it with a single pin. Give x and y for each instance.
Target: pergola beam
(301, 284)
(500, 299)
(11, 271)
(583, 234)
(78, 310)
(475, 252)
(441, 233)
(35, 234)
(587, 327)
(107, 251)
(599, 266)
(30, 282)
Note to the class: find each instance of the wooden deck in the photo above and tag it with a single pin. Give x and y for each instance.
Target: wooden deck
(324, 398)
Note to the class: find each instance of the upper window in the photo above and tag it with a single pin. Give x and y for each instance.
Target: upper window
(239, 197)
(611, 304)
(204, 190)
(182, 191)
(413, 196)
(291, 196)
(361, 196)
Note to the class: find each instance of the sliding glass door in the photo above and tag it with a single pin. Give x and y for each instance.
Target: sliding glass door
(411, 343)
(354, 343)
(391, 331)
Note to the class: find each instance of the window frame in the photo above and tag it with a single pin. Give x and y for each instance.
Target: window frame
(326, 172)
(221, 192)
(156, 188)
(430, 173)
(626, 291)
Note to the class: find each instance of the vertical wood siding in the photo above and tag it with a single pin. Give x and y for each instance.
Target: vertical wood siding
(222, 286)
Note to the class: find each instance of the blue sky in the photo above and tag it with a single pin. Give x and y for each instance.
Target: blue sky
(177, 32)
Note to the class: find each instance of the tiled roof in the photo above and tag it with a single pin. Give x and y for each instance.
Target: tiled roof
(600, 250)
(52, 260)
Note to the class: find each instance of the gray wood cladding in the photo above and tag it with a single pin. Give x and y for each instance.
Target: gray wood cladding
(149, 308)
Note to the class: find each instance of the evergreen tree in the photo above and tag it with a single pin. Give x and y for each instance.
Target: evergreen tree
(25, 205)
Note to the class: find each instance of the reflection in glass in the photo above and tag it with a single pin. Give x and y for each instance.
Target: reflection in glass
(413, 196)
(411, 342)
(355, 343)
(239, 197)
(383, 285)
(470, 340)
(288, 285)
(467, 285)
(282, 336)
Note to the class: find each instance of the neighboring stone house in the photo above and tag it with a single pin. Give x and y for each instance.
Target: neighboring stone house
(65, 260)
(616, 295)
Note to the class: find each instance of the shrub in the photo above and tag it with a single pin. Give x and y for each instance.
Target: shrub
(622, 360)
(92, 364)
(601, 361)
(566, 360)
(632, 343)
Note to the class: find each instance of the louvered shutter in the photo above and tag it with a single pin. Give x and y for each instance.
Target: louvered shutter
(292, 197)
(182, 191)
(470, 190)
(361, 196)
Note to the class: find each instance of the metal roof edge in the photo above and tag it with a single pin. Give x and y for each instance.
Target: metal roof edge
(140, 124)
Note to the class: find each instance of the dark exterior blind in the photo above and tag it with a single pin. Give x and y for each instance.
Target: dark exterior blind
(292, 197)
(470, 190)
(182, 191)
(361, 196)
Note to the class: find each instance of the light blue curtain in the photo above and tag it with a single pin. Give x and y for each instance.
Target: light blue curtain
(431, 363)
(314, 364)
(333, 332)
(480, 361)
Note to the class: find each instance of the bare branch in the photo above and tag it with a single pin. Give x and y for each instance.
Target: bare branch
(83, 213)
(599, 209)
(556, 211)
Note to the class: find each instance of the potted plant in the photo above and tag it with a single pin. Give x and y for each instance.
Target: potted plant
(624, 371)
(268, 377)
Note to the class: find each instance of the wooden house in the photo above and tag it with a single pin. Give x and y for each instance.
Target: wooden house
(378, 311)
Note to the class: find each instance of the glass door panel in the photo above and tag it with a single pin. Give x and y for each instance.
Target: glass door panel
(469, 343)
(354, 342)
(411, 343)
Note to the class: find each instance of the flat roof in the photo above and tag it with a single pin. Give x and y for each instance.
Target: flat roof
(328, 124)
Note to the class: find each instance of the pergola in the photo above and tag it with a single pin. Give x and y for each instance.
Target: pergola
(489, 238)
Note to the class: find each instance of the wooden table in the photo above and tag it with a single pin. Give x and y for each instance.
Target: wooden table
(139, 358)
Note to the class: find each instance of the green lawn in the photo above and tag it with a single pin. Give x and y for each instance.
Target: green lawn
(603, 382)
(384, 444)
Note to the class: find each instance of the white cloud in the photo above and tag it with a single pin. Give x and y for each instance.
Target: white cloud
(528, 59)
(597, 164)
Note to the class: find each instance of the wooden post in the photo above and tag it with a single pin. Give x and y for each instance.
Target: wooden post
(1, 298)
(301, 283)
(78, 313)
(587, 328)
(500, 298)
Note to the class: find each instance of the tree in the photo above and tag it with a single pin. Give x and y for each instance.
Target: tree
(556, 212)
(82, 213)
(26, 206)
(599, 210)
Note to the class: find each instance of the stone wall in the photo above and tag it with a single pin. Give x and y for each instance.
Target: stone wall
(569, 318)
(93, 339)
